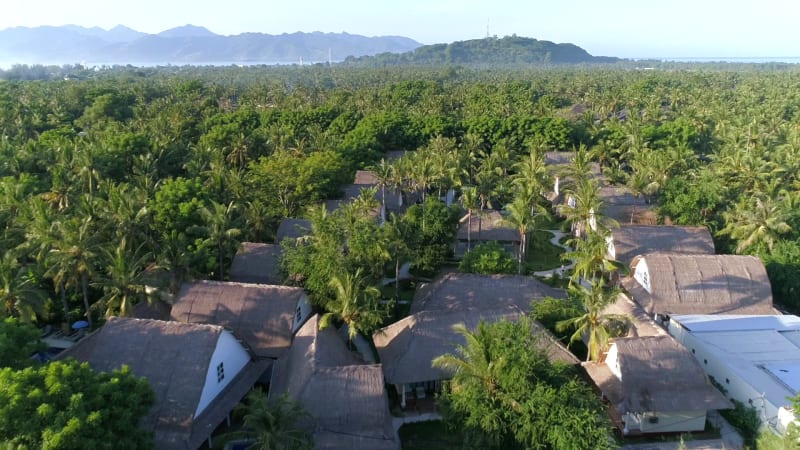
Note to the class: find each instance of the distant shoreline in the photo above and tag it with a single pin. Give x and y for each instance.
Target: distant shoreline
(6, 65)
(725, 59)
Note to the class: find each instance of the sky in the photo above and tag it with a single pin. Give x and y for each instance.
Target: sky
(623, 28)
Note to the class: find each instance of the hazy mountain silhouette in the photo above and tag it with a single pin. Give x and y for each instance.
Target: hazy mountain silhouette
(509, 50)
(184, 45)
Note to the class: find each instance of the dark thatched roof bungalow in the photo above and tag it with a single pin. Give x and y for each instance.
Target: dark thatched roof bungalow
(620, 204)
(628, 241)
(292, 229)
(257, 263)
(346, 398)
(408, 347)
(264, 316)
(655, 386)
(460, 291)
(199, 373)
(485, 227)
(666, 283)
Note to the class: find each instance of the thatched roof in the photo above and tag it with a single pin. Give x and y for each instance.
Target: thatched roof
(657, 374)
(157, 350)
(262, 315)
(459, 291)
(257, 263)
(632, 240)
(394, 155)
(345, 397)
(156, 309)
(292, 228)
(408, 347)
(365, 177)
(703, 284)
(641, 323)
(491, 228)
(351, 192)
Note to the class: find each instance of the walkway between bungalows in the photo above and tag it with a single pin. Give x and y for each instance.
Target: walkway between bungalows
(556, 240)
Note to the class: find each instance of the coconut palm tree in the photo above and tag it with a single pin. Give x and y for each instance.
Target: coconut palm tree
(19, 294)
(384, 173)
(531, 174)
(522, 214)
(758, 222)
(354, 303)
(221, 230)
(594, 324)
(122, 283)
(272, 425)
(73, 255)
(591, 258)
(470, 201)
(473, 362)
(583, 208)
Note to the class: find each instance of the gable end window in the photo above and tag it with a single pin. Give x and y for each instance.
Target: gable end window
(220, 372)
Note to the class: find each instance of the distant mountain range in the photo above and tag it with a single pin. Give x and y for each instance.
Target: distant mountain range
(185, 45)
(510, 50)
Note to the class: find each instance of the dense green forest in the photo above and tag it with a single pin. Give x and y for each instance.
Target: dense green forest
(110, 176)
(115, 180)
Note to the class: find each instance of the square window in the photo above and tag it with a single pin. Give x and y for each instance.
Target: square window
(220, 372)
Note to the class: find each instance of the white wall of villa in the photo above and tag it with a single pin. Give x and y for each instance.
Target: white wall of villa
(233, 357)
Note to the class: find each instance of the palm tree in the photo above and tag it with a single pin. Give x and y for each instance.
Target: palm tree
(384, 173)
(19, 294)
(531, 175)
(591, 257)
(473, 362)
(522, 214)
(760, 222)
(73, 255)
(470, 201)
(122, 285)
(594, 324)
(272, 425)
(474, 365)
(583, 208)
(221, 230)
(354, 304)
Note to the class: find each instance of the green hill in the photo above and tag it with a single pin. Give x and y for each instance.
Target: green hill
(508, 50)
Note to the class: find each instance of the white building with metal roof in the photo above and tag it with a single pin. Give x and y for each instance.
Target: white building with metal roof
(756, 359)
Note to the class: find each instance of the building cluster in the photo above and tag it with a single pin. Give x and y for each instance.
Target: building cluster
(696, 317)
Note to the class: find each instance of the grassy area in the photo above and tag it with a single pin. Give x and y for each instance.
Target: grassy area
(429, 435)
(403, 298)
(542, 255)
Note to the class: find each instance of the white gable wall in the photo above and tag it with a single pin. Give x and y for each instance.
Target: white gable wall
(642, 275)
(612, 362)
(611, 249)
(302, 312)
(233, 356)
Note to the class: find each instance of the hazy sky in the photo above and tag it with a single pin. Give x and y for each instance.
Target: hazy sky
(626, 28)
